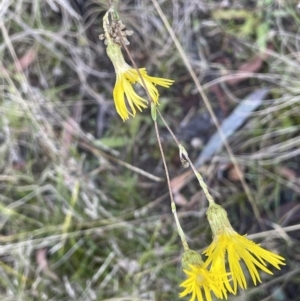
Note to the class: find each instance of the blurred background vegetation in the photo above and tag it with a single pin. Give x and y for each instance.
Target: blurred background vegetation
(84, 206)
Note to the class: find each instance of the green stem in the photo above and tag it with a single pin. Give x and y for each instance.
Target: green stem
(173, 205)
(180, 231)
(183, 152)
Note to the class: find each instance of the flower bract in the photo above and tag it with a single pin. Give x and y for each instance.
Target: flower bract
(126, 76)
(229, 249)
(200, 282)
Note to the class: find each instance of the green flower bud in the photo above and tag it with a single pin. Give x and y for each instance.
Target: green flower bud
(191, 257)
(218, 220)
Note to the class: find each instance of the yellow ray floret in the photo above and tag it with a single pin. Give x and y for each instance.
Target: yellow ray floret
(126, 76)
(200, 282)
(229, 248)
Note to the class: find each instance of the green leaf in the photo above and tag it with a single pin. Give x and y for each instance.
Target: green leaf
(113, 141)
(262, 36)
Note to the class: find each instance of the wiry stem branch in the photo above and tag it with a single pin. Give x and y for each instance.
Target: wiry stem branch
(153, 113)
(173, 205)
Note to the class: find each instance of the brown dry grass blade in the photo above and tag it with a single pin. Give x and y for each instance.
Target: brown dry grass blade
(26, 60)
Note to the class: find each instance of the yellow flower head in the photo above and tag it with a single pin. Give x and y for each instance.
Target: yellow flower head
(199, 279)
(114, 37)
(126, 76)
(230, 247)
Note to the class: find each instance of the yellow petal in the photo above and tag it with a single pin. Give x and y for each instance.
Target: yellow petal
(126, 76)
(119, 98)
(200, 280)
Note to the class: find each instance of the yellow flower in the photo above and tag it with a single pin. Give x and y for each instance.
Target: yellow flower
(229, 248)
(199, 279)
(126, 76)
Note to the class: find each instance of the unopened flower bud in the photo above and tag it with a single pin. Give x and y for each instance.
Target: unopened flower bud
(190, 257)
(217, 218)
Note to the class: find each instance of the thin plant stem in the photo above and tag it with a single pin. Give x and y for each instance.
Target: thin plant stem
(204, 187)
(168, 128)
(183, 152)
(173, 205)
(209, 107)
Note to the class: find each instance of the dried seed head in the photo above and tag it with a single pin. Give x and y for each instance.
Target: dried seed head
(120, 25)
(125, 41)
(129, 32)
(115, 30)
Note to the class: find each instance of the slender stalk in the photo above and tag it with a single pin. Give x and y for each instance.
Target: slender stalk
(173, 205)
(184, 153)
(167, 126)
(153, 113)
(208, 106)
